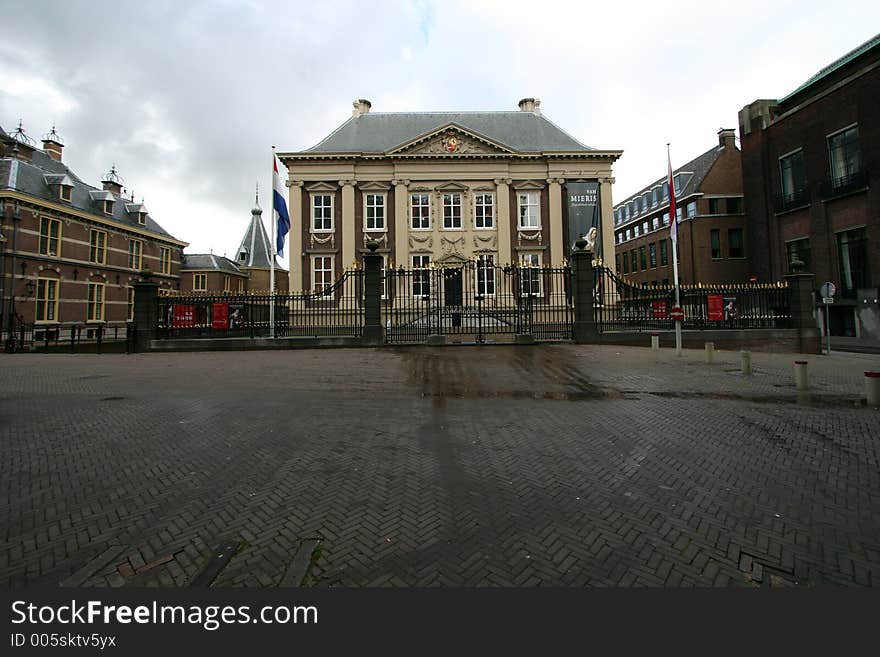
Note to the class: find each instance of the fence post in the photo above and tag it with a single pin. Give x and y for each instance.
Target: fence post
(373, 333)
(584, 330)
(801, 285)
(146, 311)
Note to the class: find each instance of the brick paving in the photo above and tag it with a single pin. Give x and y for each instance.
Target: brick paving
(478, 466)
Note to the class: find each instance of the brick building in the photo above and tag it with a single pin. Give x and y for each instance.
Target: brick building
(812, 184)
(71, 251)
(712, 235)
(441, 188)
(249, 272)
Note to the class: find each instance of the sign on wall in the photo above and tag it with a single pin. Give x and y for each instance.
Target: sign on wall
(219, 315)
(183, 316)
(584, 212)
(715, 303)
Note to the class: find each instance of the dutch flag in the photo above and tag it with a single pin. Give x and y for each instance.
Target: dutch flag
(282, 217)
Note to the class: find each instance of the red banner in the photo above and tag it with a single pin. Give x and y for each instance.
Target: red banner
(716, 307)
(219, 315)
(183, 316)
(661, 309)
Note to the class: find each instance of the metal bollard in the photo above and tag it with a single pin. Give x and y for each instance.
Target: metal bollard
(745, 362)
(655, 341)
(801, 376)
(872, 388)
(710, 352)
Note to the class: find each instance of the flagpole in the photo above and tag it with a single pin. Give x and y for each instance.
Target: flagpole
(272, 256)
(673, 221)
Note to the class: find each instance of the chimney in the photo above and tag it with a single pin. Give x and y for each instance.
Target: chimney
(361, 106)
(532, 105)
(726, 138)
(112, 182)
(53, 145)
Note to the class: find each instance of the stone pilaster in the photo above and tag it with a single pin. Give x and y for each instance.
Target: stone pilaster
(400, 255)
(348, 245)
(502, 201)
(607, 216)
(557, 245)
(295, 245)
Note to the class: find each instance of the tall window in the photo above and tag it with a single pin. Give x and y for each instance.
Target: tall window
(47, 300)
(714, 206)
(617, 262)
(322, 213)
(735, 246)
(421, 280)
(135, 254)
(664, 255)
(486, 275)
(130, 304)
(96, 302)
(484, 210)
(655, 197)
(227, 284)
(452, 210)
(791, 176)
(652, 255)
(322, 273)
(734, 205)
(530, 274)
(665, 191)
(529, 214)
(643, 261)
(843, 149)
(665, 218)
(241, 285)
(853, 250)
(420, 211)
(715, 239)
(50, 236)
(692, 209)
(634, 261)
(625, 262)
(799, 250)
(165, 259)
(375, 211)
(200, 282)
(98, 246)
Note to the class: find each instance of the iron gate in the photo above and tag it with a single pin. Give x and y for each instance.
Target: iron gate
(475, 299)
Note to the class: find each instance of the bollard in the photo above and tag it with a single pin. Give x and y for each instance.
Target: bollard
(655, 341)
(872, 388)
(745, 362)
(710, 352)
(801, 377)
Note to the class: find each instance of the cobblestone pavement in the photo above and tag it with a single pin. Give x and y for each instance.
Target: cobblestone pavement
(548, 465)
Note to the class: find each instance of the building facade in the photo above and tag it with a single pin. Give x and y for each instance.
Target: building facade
(72, 251)
(441, 188)
(812, 182)
(712, 233)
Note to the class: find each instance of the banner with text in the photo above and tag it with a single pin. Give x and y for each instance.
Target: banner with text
(583, 212)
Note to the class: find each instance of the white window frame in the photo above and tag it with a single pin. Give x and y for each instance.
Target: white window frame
(383, 206)
(197, 276)
(165, 259)
(93, 303)
(531, 262)
(485, 265)
(314, 197)
(528, 206)
(45, 301)
(50, 222)
(449, 203)
(315, 269)
(691, 209)
(140, 254)
(427, 204)
(480, 199)
(65, 193)
(100, 254)
(420, 263)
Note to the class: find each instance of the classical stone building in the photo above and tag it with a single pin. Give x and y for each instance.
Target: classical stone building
(250, 271)
(442, 188)
(712, 236)
(811, 169)
(72, 251)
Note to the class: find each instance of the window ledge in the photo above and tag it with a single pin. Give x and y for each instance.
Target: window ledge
(851, 192)
(793, 209)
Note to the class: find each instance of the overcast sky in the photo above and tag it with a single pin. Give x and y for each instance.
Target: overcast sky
(187, 97)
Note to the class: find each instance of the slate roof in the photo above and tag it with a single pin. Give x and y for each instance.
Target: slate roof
(33, 178)
(380, 132)
(833, 66)
(255, 244)
(208, 262)
(699, 166)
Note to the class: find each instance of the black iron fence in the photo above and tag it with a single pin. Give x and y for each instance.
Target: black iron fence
(620, 305)
(475, 299)
(29, 336)
(337, 310)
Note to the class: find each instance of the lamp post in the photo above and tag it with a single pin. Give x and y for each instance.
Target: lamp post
(10, 316)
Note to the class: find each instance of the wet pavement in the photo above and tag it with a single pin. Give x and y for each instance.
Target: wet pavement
(458, 466)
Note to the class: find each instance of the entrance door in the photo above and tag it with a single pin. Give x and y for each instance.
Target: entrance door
(452, 294)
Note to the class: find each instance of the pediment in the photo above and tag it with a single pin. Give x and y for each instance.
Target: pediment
(451, 259)
(321, 187)
(451, 140)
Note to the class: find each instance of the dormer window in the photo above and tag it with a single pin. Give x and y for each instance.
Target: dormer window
(108, 207)
(243, 255)
(65, 192)
(142, 218)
